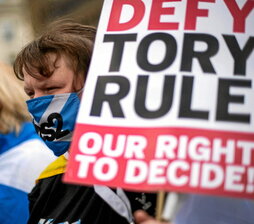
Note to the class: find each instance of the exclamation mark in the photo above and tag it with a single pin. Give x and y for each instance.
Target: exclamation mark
(250, 183)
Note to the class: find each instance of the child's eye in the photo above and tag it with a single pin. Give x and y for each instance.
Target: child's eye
(51, 88)
(30, 94)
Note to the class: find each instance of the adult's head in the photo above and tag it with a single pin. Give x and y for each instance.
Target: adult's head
(12, 101)
(64, 47)
(54, 68)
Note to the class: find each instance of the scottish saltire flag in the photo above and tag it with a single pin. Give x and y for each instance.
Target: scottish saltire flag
(22, 159)
(54, 118)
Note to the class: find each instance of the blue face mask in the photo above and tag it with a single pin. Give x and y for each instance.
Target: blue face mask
(54, 117)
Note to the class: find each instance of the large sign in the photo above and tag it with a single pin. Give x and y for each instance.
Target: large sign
(168, 103)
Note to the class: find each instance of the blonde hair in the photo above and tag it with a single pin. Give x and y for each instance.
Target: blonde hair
(13, 110)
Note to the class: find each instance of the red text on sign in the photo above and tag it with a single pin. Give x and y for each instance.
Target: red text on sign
(192, 14)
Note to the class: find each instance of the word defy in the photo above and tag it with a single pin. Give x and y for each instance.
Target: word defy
(158, 9)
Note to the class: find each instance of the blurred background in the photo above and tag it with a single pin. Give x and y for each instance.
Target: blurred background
(22, 20)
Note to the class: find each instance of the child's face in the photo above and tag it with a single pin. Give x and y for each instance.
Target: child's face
(62, 80)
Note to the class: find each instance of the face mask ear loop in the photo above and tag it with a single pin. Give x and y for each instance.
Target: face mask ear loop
(79, 93)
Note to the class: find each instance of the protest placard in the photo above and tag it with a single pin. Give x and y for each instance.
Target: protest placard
(168, 103)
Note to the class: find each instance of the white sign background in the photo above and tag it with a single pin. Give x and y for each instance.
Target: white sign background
(218, 22)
